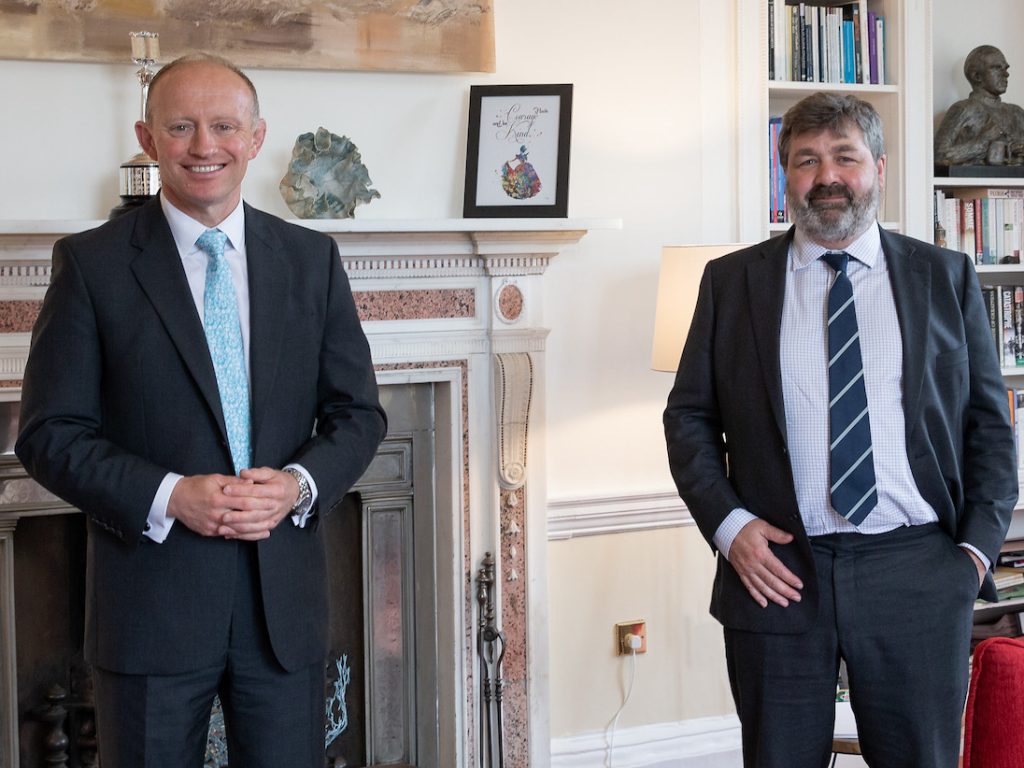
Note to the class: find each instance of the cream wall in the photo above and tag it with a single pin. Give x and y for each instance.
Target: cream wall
(653, 143)
(661, 576)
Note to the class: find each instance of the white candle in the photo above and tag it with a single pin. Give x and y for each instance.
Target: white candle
(145, 46)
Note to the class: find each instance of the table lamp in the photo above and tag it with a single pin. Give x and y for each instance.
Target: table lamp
(678, 281)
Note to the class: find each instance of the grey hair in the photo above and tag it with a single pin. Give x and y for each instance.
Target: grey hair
(831, 111)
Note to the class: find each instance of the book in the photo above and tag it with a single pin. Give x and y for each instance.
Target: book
(880, 48)
(873, 47)
(1007, 577)
(965, 193)
(1009, 345)
(988, 295)
(1011, 593)
(860, 15)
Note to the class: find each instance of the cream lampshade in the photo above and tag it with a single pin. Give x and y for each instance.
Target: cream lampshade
(678, 281)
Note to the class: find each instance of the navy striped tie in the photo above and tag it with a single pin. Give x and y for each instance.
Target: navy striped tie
(852, 468)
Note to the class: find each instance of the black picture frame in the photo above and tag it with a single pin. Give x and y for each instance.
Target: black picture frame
(517, 148)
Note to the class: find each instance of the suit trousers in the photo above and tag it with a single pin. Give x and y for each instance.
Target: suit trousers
(897, 607)
(272, 718)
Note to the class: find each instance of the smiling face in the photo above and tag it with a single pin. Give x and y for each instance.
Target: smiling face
(202, 129)
(833, 185)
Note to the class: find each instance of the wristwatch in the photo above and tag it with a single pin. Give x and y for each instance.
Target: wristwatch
(305, 500)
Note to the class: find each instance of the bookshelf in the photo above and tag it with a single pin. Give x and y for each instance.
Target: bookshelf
(952, 33)
(902, 109)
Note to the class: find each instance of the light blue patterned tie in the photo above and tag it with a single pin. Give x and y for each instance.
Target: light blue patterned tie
(852, 466)
(224, 338)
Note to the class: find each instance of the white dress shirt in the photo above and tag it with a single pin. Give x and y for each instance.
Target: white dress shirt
(803, 358)
(186, 231)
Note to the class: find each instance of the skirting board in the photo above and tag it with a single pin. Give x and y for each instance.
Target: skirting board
(706, 742)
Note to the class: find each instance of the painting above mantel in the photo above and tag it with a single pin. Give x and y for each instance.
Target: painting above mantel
(390, 35)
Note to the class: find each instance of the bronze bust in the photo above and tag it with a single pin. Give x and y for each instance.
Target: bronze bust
(982, 129)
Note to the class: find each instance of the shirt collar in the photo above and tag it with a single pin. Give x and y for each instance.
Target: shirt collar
(187, 230)
(865, 249)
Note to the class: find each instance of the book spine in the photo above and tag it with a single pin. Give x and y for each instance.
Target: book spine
(1009, 355)
(848, 72)
(771, 39)
(862, 13)
(1018, 324)
(873, 47)
(1018, 424)
(815, 26)
(858, 69)
(880, 43)
(988, 294)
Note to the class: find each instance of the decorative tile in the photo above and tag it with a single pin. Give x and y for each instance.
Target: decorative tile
(446, 303)
(18, 316)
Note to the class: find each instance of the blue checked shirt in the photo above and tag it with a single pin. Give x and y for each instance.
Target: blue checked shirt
(803, 356)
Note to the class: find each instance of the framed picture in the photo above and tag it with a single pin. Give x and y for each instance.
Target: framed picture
(517, 152)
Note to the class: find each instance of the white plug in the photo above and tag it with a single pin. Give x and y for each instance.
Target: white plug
(633, 642)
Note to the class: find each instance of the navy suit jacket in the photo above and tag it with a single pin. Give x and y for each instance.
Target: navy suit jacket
(119, 390)
(725, 422)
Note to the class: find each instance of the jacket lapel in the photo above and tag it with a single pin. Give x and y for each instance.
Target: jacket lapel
(910, 275)
(766, 289)
(269, 284)
(158, 270)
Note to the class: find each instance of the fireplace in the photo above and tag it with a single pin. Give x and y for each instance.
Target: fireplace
(453, 311)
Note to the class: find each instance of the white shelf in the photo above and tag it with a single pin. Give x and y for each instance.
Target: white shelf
(978, 181)
(801, 88)
(990, 611)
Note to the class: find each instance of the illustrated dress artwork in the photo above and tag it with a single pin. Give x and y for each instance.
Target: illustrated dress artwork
(518, 178)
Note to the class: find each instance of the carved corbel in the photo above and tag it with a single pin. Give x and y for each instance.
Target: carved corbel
(513, 391)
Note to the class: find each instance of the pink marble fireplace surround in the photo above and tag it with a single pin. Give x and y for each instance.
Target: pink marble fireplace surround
(455, 304)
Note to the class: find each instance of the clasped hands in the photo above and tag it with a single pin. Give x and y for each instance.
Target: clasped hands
(765, 576)
(246, 507)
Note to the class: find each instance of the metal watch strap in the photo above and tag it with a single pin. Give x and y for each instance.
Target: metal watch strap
(305, 500)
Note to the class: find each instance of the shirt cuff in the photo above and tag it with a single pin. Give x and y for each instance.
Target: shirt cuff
(300, 520)
(158, 524)
(984, 560)
(729, 529)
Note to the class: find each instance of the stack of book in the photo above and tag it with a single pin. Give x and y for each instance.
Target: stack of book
(986, 223)
(825, 41)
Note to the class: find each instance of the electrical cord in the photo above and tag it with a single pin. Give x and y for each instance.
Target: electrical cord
(615, 720)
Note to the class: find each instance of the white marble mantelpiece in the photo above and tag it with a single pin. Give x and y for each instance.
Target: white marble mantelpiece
(369, 247)
(456, 304)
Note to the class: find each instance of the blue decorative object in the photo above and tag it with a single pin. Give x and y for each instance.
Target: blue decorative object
(337, 710)
(326, 177)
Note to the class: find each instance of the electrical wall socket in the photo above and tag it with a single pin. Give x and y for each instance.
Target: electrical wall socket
(637, 628)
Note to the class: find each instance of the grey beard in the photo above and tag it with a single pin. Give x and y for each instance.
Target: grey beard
(833, 225)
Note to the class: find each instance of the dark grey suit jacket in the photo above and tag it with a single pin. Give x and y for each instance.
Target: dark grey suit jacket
(726, 428)
(120, 389)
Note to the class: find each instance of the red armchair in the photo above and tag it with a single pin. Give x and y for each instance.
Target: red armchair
(994, 718)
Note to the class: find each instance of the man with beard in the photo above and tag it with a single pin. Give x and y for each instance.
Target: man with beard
(838, 430)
